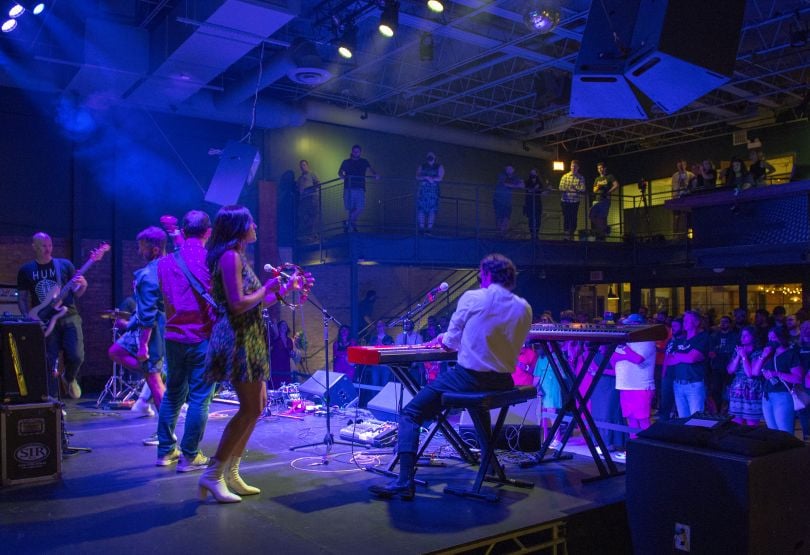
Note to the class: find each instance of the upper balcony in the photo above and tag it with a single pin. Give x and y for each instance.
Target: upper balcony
(648, 228)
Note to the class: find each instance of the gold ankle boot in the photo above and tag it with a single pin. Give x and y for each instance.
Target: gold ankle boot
(213, 481)
(234, 480)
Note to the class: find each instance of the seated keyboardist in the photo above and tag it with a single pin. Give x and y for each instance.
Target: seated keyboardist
(487, 330)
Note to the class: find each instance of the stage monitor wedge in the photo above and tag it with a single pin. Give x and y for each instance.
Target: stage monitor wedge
(237, 167)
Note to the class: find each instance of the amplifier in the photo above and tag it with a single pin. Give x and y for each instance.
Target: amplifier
(30, 443)
(23, 368)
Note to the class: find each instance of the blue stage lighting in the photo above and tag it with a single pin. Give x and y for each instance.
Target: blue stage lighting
(16, 10)
(9, 25)
(38, 9)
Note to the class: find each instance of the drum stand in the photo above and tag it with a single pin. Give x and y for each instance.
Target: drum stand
(117, 389)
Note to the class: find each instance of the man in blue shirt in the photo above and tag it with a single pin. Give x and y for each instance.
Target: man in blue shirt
(686, 357)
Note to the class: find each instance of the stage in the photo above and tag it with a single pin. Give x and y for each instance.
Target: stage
(115, 500)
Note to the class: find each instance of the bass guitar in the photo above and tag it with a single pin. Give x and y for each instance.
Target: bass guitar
(51, 309)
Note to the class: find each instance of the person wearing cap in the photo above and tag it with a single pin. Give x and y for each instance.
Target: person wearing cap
(634, 363)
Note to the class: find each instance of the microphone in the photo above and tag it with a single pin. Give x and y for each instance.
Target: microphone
(271, 268)
(442, 287)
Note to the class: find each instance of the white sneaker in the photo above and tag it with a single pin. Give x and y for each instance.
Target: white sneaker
(619, 456)
(74, 391)
(555, 445)
(144, 408)
(183, 410)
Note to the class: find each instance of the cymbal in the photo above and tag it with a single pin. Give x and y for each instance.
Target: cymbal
(110, 314)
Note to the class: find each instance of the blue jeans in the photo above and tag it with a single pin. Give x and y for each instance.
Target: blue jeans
(185, 383)
(667, 399)
(777, 408)
(428, 402)
(689, 398)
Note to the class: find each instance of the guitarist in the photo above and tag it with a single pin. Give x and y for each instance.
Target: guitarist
(141, 347)
(36, 282)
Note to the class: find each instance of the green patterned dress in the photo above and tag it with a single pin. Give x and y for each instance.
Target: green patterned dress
(237, 351)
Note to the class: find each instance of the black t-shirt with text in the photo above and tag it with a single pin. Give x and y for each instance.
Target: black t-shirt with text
(40, 279)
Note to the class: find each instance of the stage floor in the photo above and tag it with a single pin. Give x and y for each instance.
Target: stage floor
(115, 500)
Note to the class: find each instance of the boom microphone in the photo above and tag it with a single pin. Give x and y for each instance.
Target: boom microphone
(442, 287)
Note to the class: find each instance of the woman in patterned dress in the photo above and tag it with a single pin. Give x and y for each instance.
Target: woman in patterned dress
(237, 350)
(745, 391)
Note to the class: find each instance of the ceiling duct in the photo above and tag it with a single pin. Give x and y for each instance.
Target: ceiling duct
(202, 44)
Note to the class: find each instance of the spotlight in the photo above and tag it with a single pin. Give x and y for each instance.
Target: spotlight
(435, 6)
(16, 10)
(389, 19)
(38, 9)
(347, 43)
(8, 25)
(426, 47)
(558, 166)
(542, 19)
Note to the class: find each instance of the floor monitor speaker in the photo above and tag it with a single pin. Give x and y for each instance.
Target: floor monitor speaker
(341, 390)
(388, 403)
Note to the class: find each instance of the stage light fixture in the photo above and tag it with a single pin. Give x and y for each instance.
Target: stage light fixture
(435, 6)
(558, 166)
(16, 10)
(542, 18)
(38, 9)
(9, 25)
(389, 19)
(347, 43)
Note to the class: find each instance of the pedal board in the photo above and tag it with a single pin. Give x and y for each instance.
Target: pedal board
(371, 432)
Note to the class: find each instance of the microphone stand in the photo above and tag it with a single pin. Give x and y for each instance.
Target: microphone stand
(328, 439)
(411, 312)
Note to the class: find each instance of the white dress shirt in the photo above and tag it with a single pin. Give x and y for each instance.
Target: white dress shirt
(488, 329)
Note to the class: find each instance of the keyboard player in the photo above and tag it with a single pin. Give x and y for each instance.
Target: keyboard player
(487, 330)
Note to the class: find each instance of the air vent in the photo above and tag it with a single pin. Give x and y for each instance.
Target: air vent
(310, 76)
(739, 137)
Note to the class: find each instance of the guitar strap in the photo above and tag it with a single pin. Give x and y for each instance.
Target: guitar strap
(195, 283)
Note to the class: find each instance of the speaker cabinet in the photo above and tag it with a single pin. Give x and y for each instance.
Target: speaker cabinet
(24, 376)
(598, 86)
(683, 49)
(388, 403)
(341, 390)
(638, 52)
(730, 503)
(520, 429)
(237, 166)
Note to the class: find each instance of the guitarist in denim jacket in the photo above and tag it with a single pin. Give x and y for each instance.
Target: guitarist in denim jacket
(38, 282)
(141, 346)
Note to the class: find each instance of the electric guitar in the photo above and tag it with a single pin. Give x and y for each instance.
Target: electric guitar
(51, 310)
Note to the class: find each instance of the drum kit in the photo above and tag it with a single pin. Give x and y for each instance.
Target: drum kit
(122, 389)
